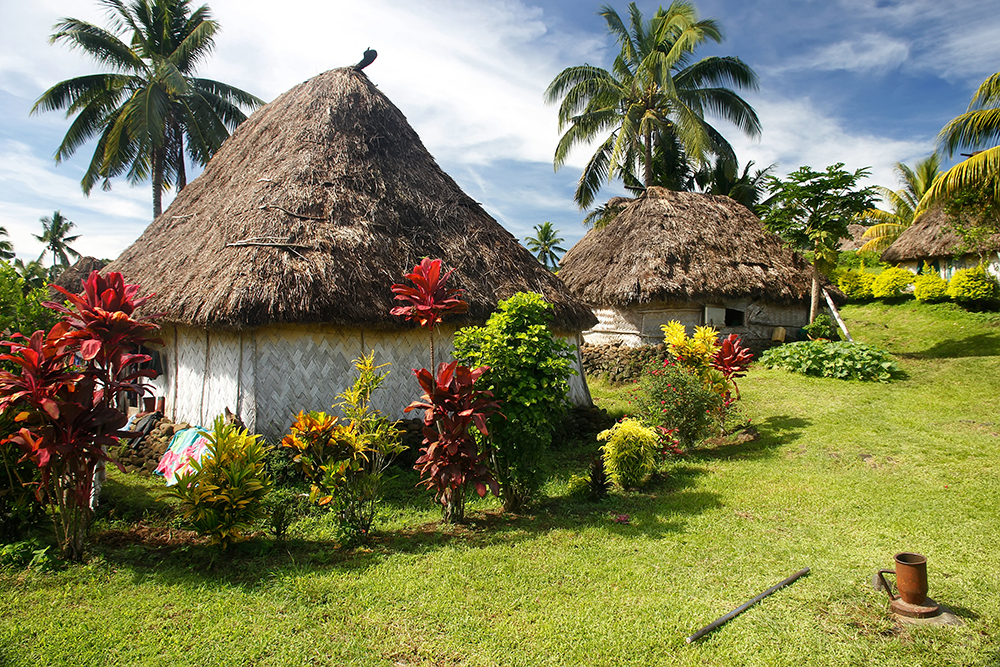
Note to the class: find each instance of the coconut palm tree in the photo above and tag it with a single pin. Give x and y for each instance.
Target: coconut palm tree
(653, 91)
(886, 226)
(54, 231)
(977, 129)
(149, 110)
(6, 247)
(724, 178)
(33, 274)
(545, 245)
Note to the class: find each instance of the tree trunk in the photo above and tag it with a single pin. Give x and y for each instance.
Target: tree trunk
(158, 158)
(648, 158)
(181, 174)
(814, 301)
(454, 505)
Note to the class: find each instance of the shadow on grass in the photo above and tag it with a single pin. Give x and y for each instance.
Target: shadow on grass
(773, 432)
(131, 502)
(172, 556)
(980, 345)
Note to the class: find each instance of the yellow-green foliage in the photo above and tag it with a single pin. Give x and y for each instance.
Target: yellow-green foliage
(221, 497)
(891, 283)
(929, 287)
(325, 451)
(694, 352)
(629, 452)
(856, 285)
(973, 285)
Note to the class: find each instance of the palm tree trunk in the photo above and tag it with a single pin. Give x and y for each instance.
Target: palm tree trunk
(158, 158)
(181, 174)
(648, 159)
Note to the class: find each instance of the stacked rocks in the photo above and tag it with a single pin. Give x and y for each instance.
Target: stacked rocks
(145, 456)
(621, 363)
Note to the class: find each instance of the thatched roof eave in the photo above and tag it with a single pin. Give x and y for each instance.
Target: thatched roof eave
(683, 246)
(312, 209)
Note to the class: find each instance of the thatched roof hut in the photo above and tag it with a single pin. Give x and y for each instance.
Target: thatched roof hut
(300, 224)
(688, 256)
(313, 207)
(855, 240)
(71, 278)
(926, 238)
(929, 239)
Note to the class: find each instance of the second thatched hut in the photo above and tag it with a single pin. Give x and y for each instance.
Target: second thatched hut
(930, 240)
(272, 270)
(696, 258)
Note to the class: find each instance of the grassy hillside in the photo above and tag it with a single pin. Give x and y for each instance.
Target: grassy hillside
(843, 476)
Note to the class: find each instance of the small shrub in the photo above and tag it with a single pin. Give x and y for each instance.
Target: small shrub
(598, 480)
(822, 327)
(677, 398)
(843, 360)
(857, 285)
(891, 283)
(578, 486)
(972, 286)
(284, 507)
(629, 452)
(929, 287)
(450, 457)
(528, 369)
(222, 495)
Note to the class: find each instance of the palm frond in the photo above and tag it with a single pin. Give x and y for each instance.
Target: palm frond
(982, 169)
(595, 174)
(101, 45)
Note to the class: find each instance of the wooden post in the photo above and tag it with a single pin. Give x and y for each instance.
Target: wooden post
(836, 315)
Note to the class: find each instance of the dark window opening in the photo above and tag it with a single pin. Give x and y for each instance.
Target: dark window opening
(734, 318)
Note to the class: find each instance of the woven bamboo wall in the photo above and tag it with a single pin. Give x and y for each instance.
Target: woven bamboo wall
(267, 375)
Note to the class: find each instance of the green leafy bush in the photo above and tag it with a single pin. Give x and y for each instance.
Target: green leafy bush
(843, 360)
(676, 397)
(929, 287)
(21, 309)
(20, 510)
(975, 285)
(857, 285)
(891, 283)
(529, 369)
(629, 452)
(222, 495)
(822, 327)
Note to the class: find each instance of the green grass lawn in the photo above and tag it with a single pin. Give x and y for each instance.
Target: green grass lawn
(843, 476)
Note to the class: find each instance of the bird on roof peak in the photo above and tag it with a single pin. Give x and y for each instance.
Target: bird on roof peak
(370, 55)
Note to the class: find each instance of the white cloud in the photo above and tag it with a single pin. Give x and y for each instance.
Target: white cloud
(864, 53)
(33, 187)
(797, 133)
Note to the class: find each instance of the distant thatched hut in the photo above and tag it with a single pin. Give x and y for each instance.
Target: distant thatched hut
(71, 278)
(272, 269)
(696, 258)
(929, 240)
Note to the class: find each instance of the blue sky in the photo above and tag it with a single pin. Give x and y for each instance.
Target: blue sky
(864, 82)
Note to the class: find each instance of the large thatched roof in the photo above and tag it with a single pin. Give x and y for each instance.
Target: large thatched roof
(683, 246)
(312, 209)
(925, 238)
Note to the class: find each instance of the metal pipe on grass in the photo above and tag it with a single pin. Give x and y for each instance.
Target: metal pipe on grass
(743, 607)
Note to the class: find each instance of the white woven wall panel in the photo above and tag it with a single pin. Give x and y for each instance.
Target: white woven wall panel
(247, 405)
(299, 368)
(579, 392)
(190, 374)
(222, 382)
(405, 351)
